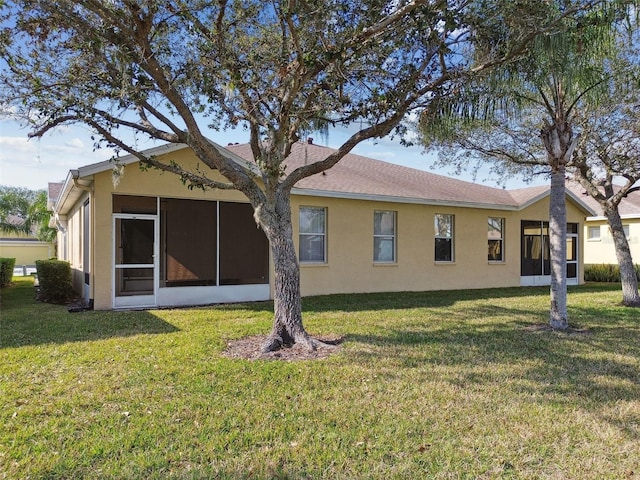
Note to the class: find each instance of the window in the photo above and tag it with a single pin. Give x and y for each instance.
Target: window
(313, 229)
(495, 238)
(384, 236)
(536, 251)
(444, 237)
(593, 234)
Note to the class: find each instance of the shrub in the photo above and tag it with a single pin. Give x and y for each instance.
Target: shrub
(6, 271)
(605, 272)
(54, 277)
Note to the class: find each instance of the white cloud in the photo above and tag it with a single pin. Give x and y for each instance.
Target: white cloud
(15, 143)
(32, 163)
(380, 155)
(75, 143)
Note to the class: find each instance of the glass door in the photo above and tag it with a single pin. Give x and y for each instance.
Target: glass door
(135, 272)
(572, 254)
(535, 258)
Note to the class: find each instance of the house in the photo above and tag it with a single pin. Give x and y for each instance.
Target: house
(362, 226)
(598, 244)
(25, 248)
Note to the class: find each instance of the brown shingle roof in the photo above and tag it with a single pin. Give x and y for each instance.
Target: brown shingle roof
(355, 174)
(629, 206)
(54, 190)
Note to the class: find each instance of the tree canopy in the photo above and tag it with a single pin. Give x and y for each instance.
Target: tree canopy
(277, 68)
(607, 158)
(499, 116)
(524, 115)
(170, 70)
(24, 211)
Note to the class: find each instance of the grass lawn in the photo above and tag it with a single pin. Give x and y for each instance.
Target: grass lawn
(443, 385)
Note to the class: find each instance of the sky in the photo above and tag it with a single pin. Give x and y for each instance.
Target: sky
(33, 163)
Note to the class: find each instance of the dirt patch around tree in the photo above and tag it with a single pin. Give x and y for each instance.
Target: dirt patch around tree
(250, 348)
(545, 327)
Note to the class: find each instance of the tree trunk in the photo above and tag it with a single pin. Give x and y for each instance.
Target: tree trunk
(287, 323)
(558, 244)
(630, 295)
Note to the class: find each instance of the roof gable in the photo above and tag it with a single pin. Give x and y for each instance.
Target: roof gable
(69, 192)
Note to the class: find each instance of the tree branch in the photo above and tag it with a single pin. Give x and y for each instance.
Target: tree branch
(185, 175)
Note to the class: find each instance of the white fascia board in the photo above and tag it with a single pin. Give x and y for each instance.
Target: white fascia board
(87, 171)
(23, 242)
(394, 199)
(568, 193)
(251, 167)
(425, 201)
(575, 198)
(64, 193)
(156, 151)
(600, 218)
(533, 200)
(100, 167)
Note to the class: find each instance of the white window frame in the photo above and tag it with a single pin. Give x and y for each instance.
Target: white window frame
(386, 236)
(594, 229)
(450, 237)
(323, 234)
(500, 239)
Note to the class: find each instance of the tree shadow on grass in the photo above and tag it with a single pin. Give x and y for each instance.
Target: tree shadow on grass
(555, 354)
(57, 325)
(356, 302)
(361, 302)
(593, 368)
(408, 300)
(25, 321)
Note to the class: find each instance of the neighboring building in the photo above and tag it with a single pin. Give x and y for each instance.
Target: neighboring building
(362, 226)
(25, 248)
(598, 243)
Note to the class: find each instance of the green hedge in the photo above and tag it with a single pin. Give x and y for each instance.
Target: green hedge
(605, 272)
(6, 271)
(54, 277)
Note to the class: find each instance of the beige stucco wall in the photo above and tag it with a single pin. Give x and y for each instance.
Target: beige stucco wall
(136, 182)
(26, 252)
(603, 250)
(350, 267)
(70, 243)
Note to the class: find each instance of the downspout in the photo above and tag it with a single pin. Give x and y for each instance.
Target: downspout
(59, 225)
(75, 175)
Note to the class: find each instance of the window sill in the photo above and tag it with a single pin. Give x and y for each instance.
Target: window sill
(444, 263)
(594, 239)
(496, 262)
(385, 264)
(313, 264)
